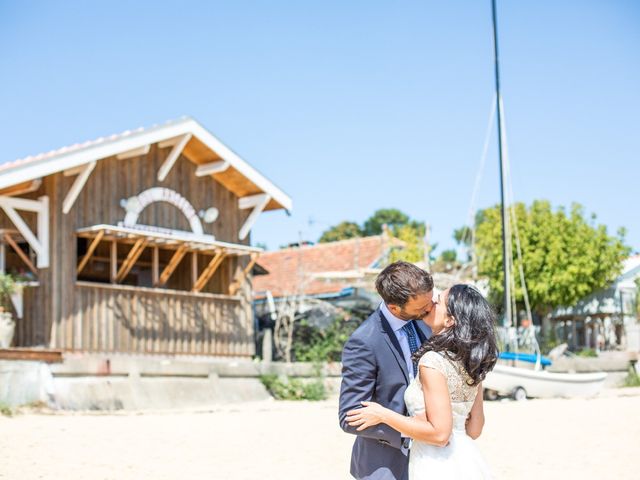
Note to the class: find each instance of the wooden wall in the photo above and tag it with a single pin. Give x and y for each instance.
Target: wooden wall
(57, 308)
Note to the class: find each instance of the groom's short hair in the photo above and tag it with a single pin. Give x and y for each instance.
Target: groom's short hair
(400, 281)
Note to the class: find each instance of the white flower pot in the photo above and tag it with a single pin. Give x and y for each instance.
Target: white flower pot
(7, 329)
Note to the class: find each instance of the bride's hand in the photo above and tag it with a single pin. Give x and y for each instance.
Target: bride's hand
(369, 415)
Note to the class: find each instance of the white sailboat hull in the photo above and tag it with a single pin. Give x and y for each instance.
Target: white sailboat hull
(542, 384)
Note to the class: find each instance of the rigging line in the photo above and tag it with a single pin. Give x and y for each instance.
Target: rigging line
(513, 215)
(514, 221)
(478, 180)
(483, 161)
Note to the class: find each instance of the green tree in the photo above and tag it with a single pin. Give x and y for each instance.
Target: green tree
(413, 251)
(448, 256)
(391, 217)
(565, 257)
(342, 231)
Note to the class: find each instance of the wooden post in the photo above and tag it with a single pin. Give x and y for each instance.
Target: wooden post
(114, 261)
(155, 265)
(194, 268)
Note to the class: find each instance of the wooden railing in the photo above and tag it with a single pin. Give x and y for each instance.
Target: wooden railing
(118, 318)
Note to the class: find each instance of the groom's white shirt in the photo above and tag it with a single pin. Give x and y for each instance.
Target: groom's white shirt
(396, 325)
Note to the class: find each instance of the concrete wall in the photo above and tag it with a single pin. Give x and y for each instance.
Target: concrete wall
(130, 382)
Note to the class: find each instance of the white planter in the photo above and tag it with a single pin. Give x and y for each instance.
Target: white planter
(7, 328)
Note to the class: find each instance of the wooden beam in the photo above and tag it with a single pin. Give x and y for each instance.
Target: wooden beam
(208, 272)
(211, 168)
(49, 356)
(130, 261)
(92, 247)
(173, 156)
(77, 187)
(136, 152)
(39, 243)
(21, 254)
(171, 266)
(237, 282)
(258, 203)
(22, 188)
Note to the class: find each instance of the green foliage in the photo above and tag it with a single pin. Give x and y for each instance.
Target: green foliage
(342, 231)
(315, 345)
(294, 388)
(6, 410)
(632, 379)
(413, 251)
(462, 236)
(7, 287)
(587, 352)
(565, 256)
(448, 256)
(391, 217)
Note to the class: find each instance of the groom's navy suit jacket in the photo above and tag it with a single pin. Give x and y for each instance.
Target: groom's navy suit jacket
(374, 369)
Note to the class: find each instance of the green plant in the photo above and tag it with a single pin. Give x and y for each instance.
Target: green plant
(587, 352)
(7, 287)
(632, 379)
(565, 254)
(294, 388)
(311, 344)
(6, 410)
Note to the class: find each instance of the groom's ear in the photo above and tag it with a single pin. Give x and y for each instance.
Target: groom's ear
(395, 309)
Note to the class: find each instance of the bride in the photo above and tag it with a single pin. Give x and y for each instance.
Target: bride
(444, 400)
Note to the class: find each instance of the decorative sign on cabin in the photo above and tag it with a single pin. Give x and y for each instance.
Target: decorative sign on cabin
(136, 204)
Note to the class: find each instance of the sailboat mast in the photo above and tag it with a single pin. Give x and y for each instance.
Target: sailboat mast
(503, 205)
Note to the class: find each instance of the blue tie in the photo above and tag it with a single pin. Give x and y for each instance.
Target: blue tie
(413, 342)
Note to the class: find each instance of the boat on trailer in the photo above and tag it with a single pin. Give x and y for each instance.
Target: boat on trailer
(520, 383)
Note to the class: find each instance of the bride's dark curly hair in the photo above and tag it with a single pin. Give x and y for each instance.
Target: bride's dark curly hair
(471, 340)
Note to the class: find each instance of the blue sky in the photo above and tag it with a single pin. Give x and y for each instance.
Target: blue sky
(347, 106)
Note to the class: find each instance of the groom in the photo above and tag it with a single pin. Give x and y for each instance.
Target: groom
(377, 366)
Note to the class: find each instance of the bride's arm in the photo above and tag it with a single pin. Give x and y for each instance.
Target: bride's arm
(435, 430)
(475, 422)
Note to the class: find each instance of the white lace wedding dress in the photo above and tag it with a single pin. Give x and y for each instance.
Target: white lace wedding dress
(460, 459)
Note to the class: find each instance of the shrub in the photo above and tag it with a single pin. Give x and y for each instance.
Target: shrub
(293, 388)
(632, 379)
(587, 352)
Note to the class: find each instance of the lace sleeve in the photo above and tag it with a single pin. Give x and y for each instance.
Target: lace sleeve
(434, 360)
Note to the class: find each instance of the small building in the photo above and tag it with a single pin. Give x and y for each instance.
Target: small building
(605, 320)
(135, 243)
(341, 272)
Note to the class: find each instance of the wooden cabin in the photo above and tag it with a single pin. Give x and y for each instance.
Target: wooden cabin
(135, 243)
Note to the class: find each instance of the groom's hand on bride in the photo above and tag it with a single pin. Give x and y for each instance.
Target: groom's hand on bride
(368, 415)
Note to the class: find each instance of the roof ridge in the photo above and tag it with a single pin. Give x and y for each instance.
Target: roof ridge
(327, 244)
(93, 142)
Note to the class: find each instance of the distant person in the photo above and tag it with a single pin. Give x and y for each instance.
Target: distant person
(452, 364)
(377, 365)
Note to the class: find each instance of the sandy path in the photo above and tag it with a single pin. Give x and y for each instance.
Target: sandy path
(548, 439)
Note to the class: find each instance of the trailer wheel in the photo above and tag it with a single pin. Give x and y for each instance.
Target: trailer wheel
(519, 394)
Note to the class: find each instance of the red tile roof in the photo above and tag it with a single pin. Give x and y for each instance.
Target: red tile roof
(294, 270)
